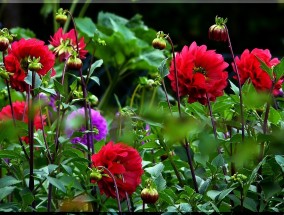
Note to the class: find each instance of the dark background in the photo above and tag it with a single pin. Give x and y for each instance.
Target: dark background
(250, 25)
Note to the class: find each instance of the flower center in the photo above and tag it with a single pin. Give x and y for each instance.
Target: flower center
(199, 69)
(24, 64)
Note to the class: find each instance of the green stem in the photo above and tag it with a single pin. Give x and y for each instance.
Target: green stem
(215, 131)
(167, 98)
(239, 83)
(84, 8)
(153, 97)
(55, 7)
(71, 11)
(134, 94)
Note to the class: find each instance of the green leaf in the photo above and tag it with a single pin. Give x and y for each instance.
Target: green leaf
(5, 191)
(250, 204)
(274, 116)
(86, 26)
(218, 161)
(95, 79)
(156, 170)
(265, 67)
(95, 65)
(280, 160)
(160, 183)
(224, 193)
(28, 79)
(213, 194)
(9, 154)
(48, 90)
(163, 68)
(8, 181)
(73, 86)
(203, 186)
(58, 87)
(27, 197)
(22, 33)
(253, 175)
(279, 70)
(185, 207)
(234, 88)
(57, 183)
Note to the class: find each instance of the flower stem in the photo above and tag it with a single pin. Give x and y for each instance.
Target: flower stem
(239, 83)
(134, 94)
(176, 73)
(167, 98)
(12, 112)
(30, 95)
(215, 130)
(115, 186)
(190, 161)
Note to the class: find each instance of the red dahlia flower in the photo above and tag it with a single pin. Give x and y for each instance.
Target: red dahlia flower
(65, 43)
(21, 114)
(249, 68)
(125, 163)
(200, 72)
(16, 61)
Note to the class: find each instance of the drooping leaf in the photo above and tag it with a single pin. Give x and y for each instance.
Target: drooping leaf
(23, 33)
(86, 26)
(279, 70)
(5, 191)
(156, 170)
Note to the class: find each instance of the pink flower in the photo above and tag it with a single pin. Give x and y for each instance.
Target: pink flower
(65, 43)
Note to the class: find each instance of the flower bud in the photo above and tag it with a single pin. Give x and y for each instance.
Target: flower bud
(149, 195)
(74, 63)
(4, 43)
(95, 176)
(159, 43)
(61, 19)
(218, 31)
(61, 16)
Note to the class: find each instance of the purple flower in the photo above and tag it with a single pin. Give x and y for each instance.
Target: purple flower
(75, 122)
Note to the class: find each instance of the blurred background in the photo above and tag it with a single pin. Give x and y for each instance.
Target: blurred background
(250, 25)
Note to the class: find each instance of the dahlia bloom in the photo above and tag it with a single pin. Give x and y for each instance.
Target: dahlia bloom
(65, 43)
(200, 72)
(249, 68)
(125, 163)
(76, 122)
(21, 114)
(16, 61)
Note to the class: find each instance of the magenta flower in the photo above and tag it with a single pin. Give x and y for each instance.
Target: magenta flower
(75, 122)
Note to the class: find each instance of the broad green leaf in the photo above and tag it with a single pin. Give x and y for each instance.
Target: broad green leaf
(5, 191)
(213, 194)
(163, 68)
(160, 182)
(274, 116)
(22, 33)
(250, 204)
(28, 79)
(156, 170)
(203, 186)
(86, 26)
(224, 193)
(218, 161)
(185, 207)
(57, 183)
(27, 197)
(8, 181)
